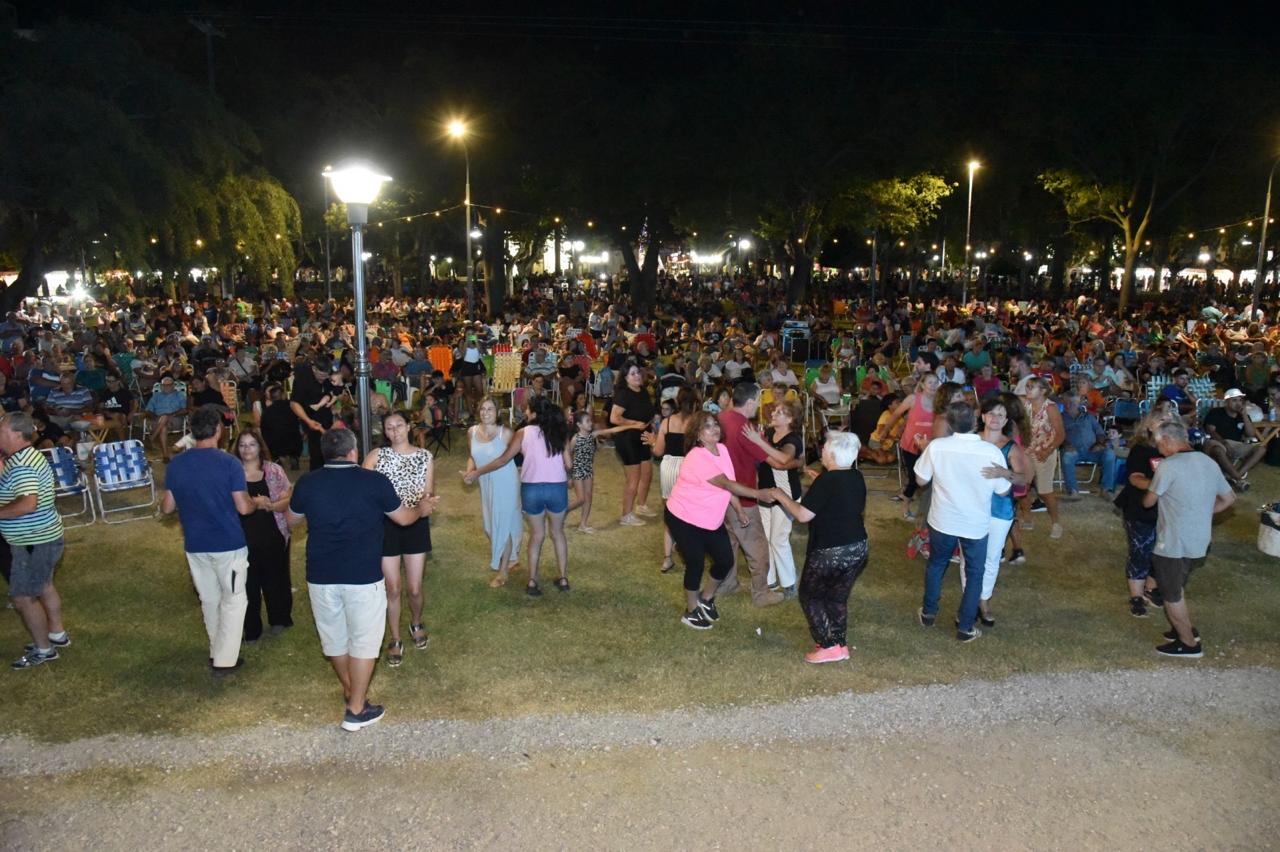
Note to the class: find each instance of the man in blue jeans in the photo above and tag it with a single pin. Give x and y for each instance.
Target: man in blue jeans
(1086, 441)
(966, 472)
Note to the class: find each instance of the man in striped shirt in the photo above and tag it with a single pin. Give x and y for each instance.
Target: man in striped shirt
(30, 522)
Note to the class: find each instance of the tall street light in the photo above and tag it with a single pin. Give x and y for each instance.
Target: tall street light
(328, 266)
(458, 130)
(974, 165)
(1262, 246)
(357, 185)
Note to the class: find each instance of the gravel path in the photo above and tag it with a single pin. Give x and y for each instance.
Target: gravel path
(1185, 756)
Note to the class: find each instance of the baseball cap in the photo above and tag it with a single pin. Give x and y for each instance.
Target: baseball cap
(1233, 393)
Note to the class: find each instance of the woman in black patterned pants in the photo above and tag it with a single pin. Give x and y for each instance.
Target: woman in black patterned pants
(833, 508)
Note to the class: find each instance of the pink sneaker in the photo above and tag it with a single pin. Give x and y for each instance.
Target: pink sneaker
(834, 654)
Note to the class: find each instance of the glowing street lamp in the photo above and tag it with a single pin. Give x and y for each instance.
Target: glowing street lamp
(357, 185)
(974, 165)
(458, 130)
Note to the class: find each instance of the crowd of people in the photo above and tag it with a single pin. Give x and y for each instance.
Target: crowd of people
(756, 415)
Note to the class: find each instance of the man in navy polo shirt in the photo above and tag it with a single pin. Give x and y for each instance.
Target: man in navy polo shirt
(343, 505)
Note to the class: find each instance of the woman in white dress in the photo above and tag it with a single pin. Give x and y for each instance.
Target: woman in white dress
(499, 491)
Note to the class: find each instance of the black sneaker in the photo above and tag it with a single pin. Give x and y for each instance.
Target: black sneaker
(986, 620)
(369, 716)
(1172, 635)
(968, 637)
(533, 590)
(708, 609)
(925, 620)
(1038, 505)
(1018, 558)
(696, 619)
(31, 659)
(1154, 598)
(1177, 649)
(56, 643)
(1138, 607)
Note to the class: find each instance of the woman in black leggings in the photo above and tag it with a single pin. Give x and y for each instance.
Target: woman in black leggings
(695, 516)
(837, 552)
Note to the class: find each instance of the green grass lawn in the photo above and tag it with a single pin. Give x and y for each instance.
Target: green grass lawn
(614, 643)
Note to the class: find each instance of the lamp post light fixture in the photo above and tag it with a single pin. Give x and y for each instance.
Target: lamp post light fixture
(1262, 246)
(357, 185)
(458, 130)
(974, 165)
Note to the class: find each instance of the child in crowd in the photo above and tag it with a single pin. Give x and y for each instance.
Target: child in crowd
(581, 462)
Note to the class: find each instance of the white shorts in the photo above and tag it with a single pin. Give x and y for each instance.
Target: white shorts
(350, 619)
(668, 471)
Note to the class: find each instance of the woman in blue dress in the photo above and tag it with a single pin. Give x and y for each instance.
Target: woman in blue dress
(499, 491)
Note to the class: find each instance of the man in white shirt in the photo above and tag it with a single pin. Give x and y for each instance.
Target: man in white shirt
(963, 485)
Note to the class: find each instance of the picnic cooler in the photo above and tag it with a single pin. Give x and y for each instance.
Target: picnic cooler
(1269, 530)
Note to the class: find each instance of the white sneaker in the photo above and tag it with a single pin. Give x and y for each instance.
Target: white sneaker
(644, 510)
(1056, 532)
(631, 521)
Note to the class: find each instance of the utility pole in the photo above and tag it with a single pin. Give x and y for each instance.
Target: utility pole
(206, 26)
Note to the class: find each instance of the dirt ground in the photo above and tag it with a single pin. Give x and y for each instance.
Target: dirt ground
(1107, 777)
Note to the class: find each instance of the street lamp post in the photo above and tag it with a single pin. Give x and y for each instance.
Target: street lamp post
(1262, 246)
(458, 130)
(357, 186)
(974, 165)
(328, 266)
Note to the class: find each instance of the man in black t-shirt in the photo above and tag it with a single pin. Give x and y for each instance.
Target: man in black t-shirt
(1233, 442)
(344, 506)
(117, 405)
(312, 402)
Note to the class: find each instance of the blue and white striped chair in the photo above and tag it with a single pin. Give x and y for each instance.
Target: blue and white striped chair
(69, 481)
(122, 466)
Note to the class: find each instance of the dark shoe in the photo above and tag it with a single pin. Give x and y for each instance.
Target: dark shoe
(55, 643)
(986, 620)
(1038, 505)
(708, 609)
(1138, 607)
(223, 671)
(1177, 649)
(1154, 598)
(789, 593)
(395, 653)
(1172, 635)
(696, 619)
(418, 633)
(369, 716)
(31, 659)
(562, 584)
(968, 637)
(533, 590)
(925, 620)
(1019, 557)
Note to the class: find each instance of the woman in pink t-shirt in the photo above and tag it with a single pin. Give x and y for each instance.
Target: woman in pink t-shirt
(695, 516)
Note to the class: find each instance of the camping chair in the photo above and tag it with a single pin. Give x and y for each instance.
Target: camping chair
(122, 466)
(438, 435)
(69, 481)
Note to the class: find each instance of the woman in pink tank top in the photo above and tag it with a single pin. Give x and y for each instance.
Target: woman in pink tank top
(544, 483)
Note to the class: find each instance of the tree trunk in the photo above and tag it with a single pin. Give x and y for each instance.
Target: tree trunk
(800, 273)
(31, 275)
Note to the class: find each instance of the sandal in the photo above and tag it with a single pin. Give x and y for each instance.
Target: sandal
(668, 565)
(418, 633)
(562, 584)
(533, 590)
(499, 580)
(395, 653)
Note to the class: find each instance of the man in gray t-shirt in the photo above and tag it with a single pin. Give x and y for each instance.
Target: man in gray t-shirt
(1189, 490)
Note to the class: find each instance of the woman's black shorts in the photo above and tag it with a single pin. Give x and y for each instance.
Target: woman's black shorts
(468, 368)
(631, 450)
(406, 541)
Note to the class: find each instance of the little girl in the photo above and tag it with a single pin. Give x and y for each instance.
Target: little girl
(581, 463)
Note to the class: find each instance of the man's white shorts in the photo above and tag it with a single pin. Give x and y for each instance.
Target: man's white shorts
(350, 619)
